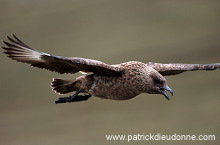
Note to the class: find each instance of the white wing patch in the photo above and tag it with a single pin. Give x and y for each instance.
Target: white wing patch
(85, 73)
(26, 55)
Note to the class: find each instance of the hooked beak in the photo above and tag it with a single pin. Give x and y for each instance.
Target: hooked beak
(163, 92)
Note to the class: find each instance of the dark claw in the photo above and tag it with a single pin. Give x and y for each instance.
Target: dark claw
(63, 100)
(69, 99)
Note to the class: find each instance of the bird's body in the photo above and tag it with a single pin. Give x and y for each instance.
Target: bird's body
(116, 82)
(132, 82)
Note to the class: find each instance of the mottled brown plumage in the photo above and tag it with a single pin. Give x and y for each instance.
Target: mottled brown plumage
(117, 82)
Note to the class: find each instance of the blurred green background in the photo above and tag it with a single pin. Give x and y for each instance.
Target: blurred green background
(112, 31)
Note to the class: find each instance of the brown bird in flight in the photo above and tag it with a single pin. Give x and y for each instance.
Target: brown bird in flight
(117, 82)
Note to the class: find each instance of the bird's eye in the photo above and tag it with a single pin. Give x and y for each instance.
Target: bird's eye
(157, 80)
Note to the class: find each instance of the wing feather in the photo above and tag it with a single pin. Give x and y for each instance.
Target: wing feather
(19, 51)
(174, 69)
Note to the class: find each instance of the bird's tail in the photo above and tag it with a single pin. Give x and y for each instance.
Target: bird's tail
(62, 86)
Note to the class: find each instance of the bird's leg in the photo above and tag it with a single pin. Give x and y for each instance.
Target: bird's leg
(74, 98)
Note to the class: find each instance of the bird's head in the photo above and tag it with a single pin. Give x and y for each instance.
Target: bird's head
(158, 85)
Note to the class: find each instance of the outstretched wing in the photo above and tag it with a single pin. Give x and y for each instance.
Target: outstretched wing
(19, 51)
(174, 69)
